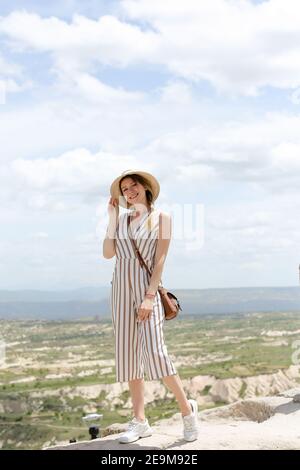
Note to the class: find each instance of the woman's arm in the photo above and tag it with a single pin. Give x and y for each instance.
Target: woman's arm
(109, 242)
(109, 248)
(164, 238)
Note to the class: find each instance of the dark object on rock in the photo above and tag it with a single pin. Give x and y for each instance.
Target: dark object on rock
(296, 398)
(93, 431)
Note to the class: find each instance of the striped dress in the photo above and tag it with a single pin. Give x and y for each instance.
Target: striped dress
(139, 346)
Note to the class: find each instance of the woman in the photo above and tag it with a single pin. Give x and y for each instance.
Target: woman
(136, 306)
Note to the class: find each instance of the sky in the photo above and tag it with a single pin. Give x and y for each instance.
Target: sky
(204, 95)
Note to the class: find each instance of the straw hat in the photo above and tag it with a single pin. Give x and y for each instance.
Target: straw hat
(116, 193)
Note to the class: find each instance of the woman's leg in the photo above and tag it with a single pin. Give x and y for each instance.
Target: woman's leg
(174, 383)
(136, 388)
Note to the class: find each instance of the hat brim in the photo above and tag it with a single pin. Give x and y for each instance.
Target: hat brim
(117, 194)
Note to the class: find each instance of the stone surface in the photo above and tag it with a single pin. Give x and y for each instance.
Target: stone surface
(259, 423)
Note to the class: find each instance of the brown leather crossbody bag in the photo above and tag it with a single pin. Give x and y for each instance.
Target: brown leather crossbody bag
(170, 302)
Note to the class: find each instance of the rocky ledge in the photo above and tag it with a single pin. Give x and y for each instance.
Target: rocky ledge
(271, 422)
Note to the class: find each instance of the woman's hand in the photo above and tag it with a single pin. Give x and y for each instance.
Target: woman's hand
(113, 208)
(145, 310)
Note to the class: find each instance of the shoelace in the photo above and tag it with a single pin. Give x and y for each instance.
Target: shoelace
(133, 424)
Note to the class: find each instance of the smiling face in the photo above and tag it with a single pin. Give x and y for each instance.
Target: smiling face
(133, 191)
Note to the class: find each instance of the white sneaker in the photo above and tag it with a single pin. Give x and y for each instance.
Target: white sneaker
(190, 423)
(136, 429)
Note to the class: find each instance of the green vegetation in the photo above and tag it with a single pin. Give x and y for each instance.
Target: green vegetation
(46, 362)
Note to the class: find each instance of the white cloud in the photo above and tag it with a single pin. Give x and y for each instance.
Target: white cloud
(253, 266)
(62, 183)
(75, 45)
(40, 235)
(176, 92)
(195, 173)
(243, 220)
(238, 46)
(262, 151)
(9, 69)
(112, 121)
(250, 235)
(246, 169)
(286, 158)
(12, 79)
(11, 86)
(77, 171)
(94, 90)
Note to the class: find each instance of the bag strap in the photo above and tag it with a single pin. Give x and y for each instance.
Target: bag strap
(141, 260)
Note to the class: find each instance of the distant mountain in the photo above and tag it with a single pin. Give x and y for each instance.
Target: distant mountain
(35, 295)
(239, 299)
(68, 310)
(92, 301)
